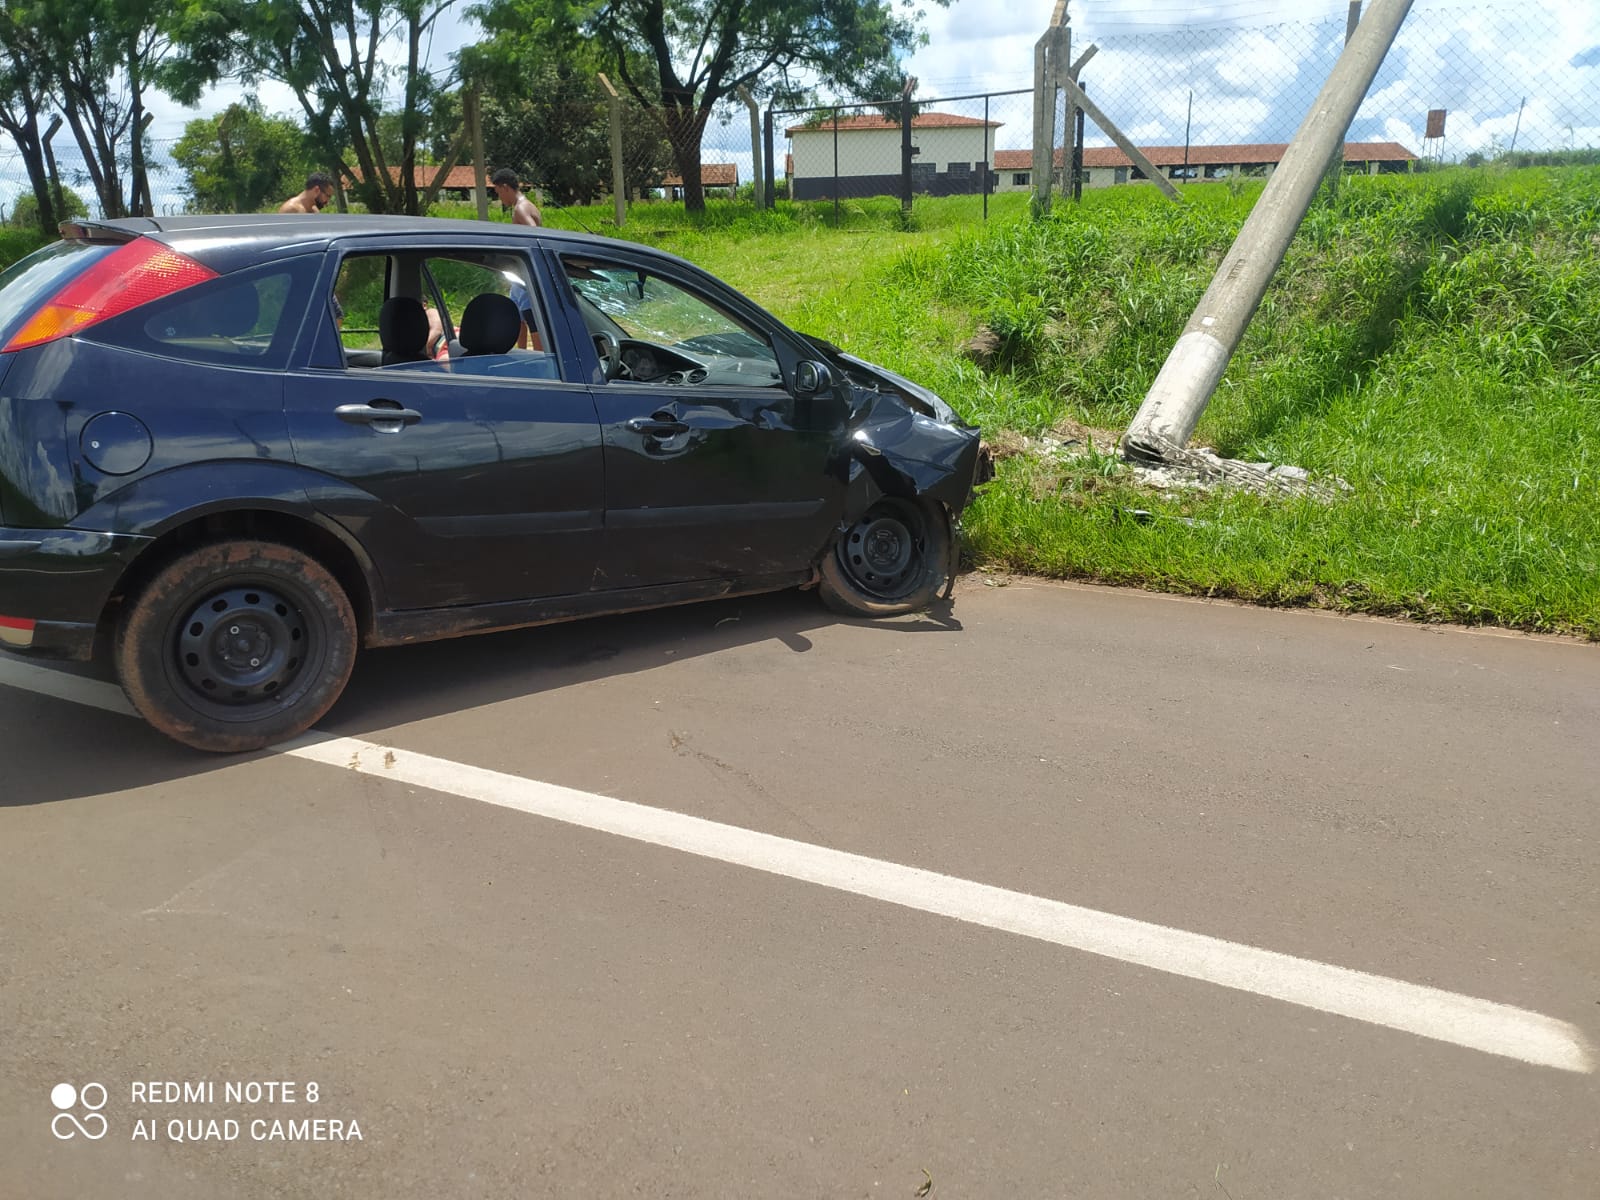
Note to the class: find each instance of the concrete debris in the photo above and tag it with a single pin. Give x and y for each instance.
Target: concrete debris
(1206, 469)
(1182, 468)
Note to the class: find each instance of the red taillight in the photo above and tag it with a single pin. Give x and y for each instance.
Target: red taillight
(131, 275)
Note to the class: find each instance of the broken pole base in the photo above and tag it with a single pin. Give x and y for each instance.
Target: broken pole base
(1171, 410)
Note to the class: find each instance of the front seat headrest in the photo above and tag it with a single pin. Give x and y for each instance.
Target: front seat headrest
(489, 324)
(403, 330)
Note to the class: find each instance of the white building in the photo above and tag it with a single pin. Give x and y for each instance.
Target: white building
(859, 155)
(1106, 166)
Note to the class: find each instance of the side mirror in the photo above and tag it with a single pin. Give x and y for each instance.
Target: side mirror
(811, 377)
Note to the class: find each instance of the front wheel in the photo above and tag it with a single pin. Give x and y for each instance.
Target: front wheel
(237, 645)
(894, 560)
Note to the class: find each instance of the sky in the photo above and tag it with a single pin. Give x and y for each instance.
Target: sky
(1255, 66)
(1230, 71)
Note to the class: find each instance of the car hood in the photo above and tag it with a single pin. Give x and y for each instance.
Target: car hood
(863, 375)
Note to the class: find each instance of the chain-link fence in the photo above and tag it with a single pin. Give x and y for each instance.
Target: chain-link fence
(561, 148)
(1468, 81)
(1517, 80)
(953, 146)
(169, 183)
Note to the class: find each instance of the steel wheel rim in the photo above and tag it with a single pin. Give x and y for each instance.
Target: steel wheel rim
(244, 647)
(883, 553)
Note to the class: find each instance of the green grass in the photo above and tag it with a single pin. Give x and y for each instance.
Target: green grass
(1432, 340)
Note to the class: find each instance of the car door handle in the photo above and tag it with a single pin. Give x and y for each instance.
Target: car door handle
(384, 415)
(659, 426)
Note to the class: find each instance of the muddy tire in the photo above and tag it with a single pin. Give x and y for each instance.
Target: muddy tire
(237, 645)
(895, 559)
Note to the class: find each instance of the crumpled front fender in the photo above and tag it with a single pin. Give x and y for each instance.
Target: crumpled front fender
(892, 450)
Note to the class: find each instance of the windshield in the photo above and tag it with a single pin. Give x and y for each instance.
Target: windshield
(637, 306)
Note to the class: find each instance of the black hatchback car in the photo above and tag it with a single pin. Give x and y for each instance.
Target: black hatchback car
(235, 449)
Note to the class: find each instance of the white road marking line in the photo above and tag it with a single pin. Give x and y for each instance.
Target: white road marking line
(1428, 1012)
(1443, 1016)
(46, 681)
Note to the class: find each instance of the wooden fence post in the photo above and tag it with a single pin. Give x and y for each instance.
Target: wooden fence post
(619, 178)
(1044, 121)
(471, 104)
(757, 175)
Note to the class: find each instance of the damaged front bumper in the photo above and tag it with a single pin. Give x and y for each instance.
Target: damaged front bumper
(903, 440)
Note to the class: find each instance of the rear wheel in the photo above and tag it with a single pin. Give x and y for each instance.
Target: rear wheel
(895, 559)
(237, 645)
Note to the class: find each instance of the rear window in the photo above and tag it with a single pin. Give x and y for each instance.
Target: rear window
(29, 282)
(247, 319)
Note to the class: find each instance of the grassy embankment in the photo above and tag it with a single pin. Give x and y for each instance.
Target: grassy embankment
(1434, 341)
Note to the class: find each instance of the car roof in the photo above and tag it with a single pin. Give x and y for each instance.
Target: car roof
(302, 227)
(240, 237)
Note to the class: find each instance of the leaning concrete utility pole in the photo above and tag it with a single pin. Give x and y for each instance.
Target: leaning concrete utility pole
(1171, 410)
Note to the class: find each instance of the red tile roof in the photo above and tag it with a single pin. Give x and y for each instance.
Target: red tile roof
(928, 120)
(1204, 156)
(459, 177)
(711, 175)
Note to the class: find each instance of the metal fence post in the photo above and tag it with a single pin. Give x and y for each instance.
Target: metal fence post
(771, 192)
(1335, 173)
(985, 175)
(1077, 155)
(906, 150)
(836, 166)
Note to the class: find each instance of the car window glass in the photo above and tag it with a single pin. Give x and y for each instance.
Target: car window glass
(669, 334)
(234, 321)
(483, 314)
(357, 295)
(246, 319)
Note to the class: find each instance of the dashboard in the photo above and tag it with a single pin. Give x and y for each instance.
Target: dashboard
(646, 363)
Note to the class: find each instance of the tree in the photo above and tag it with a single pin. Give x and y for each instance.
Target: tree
(680, 59)
(99, 58)
(549, 121)
(331, 54)
(22, 81)
(240, 159)
(66, 205)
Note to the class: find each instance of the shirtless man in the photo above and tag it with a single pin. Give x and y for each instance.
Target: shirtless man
(522, 213)
(318, 191)
(506, 187)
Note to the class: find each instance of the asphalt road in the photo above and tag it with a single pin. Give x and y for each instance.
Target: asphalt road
(1005, 933)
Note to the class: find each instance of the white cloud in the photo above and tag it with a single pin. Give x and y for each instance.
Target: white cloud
(1255, 66)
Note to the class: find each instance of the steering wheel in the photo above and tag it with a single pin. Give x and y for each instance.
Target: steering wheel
(609, 349)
